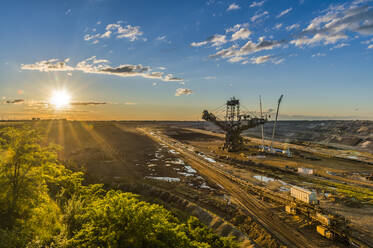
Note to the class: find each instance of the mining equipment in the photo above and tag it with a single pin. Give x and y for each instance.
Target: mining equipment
(233, 123)
(274, 125)
(271, 149)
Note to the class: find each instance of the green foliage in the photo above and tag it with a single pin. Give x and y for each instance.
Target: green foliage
(120, 220)
(43, 204)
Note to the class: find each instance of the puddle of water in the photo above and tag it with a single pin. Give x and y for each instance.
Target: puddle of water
(185, 174)
(177, 161)
(189, 169)
(264, 178)
(173, 151)
(167, 179)
(205, 186)
(284, 189)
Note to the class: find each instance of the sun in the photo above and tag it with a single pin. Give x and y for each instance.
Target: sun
(60, 98)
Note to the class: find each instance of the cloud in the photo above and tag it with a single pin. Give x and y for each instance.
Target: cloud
(266, 58)
(87, 103)
(15, 101)
(336, 23)
(161, 37)
(215, 40)
(68, 12)
(339, 46)
(48, 65)
(249, 48)
(100, 66)
(284, 12)
(129, 32)
(130, 103)
(233, 6)
(236, 59)
(172, 78)
(210, 77)
(258, 16)
(198, 44)
(183, 91)
(367, 41)
(260, 59)
(256, 4)
(278, 26)
(318, 55)
(291, 27)
(242, 33)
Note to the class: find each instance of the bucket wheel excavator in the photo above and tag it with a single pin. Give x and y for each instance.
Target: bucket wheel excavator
(233, 123)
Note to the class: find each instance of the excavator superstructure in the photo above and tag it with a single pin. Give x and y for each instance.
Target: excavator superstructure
(233, 124)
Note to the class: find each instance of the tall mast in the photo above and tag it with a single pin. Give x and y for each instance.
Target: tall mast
(261, 116)
(274, 125)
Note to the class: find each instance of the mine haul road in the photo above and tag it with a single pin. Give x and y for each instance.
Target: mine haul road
(259, 210)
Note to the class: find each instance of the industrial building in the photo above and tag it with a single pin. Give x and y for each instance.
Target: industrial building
(304, 195)
(306, 171)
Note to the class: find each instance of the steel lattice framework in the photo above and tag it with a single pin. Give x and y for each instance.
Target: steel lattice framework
(233, 124)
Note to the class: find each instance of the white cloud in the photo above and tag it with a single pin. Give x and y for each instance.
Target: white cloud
(242, 33)
(266, 58)
(210, 77)
(249, 48)
(370, 46)
(258, 16)
(339, 46)
(161, 37)
(318, 55)
(319, 38)
(183, 91)
(336, 23)
(236, 59)
(291, 27)
(284, 12)
(68, 12)
(237, 27)
(260, 59)
(129, 32)
(256, 4)
(215, 40)
(278, 26)
(100, 66)
(233, 6)
(367, 41)
(198, 44)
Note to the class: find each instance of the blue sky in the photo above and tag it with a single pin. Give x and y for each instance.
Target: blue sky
(172, 59)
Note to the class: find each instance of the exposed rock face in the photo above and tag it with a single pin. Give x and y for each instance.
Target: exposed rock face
(356, 134)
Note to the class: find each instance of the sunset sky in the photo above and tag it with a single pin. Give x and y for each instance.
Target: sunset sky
(169, 60)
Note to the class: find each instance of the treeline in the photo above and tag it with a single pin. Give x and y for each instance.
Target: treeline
(44, 204)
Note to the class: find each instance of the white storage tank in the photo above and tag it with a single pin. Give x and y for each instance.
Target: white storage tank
(304, 195)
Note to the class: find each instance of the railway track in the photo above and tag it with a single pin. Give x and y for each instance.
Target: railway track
(259, 210)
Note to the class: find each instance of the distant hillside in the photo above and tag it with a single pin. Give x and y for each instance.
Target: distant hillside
(348, 134)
